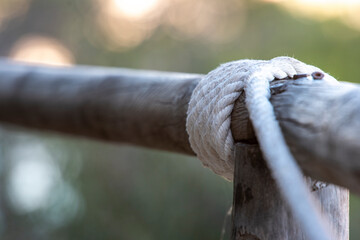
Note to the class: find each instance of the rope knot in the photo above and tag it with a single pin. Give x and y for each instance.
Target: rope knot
(212, 102)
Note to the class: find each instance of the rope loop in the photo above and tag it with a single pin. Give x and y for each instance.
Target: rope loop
(212, 102)
(208, 125)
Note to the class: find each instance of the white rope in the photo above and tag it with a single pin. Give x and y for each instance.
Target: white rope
(208, 126)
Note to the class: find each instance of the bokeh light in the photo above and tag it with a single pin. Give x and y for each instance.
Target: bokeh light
(216, 23)
(131, 192)
(35, 184)
(126, 23)
(64, 205)
(33, 177)
(134, 8)
(12, 8)
(41, 50)
(345, 10)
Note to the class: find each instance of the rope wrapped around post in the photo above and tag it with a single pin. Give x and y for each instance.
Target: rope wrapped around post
(209, 119)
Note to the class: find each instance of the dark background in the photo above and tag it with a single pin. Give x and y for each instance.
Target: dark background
(57, 187)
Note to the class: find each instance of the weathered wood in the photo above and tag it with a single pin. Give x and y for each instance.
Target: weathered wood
(321, 123)
(259, 213)
(145, 108)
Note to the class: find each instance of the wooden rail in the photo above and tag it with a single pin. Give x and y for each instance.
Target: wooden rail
(321, 123)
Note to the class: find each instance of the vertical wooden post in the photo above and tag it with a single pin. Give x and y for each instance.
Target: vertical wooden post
(259, 213)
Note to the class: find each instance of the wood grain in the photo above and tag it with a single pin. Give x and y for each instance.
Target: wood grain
(321, 123)
(145, 108)
(260, 213)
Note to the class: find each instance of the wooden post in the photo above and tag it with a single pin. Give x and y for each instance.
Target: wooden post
(259, 213)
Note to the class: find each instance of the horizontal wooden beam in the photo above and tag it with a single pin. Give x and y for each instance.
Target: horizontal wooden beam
(321, 125)
(145, 108)
(321, 122)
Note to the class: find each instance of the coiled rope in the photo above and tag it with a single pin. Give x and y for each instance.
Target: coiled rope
(208, 126)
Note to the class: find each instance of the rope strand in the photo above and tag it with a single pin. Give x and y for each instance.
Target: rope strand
(208, 125)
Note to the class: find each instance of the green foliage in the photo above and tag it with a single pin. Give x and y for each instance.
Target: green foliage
(132, 193)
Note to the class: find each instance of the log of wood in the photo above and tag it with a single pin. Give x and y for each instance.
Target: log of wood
(321, 123)
(144, 108)
(260, 213)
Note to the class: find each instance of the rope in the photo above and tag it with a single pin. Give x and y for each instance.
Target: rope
(208, 126)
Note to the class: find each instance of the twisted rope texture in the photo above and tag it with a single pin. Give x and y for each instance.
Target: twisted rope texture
(209, 113)
(209, 119)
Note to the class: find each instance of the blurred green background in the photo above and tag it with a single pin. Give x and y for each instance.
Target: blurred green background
(57, 187)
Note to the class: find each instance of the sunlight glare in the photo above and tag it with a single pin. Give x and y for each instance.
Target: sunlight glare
(135, 8)
(340, 2)
(43, 50)
(126, 23)
(345, 10)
